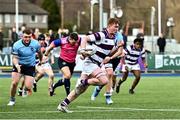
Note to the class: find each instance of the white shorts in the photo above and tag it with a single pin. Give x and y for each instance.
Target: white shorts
(43, 66)
(89, 67)
(108, 65)
(128, 67)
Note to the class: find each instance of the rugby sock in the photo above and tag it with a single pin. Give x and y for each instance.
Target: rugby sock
(34, 81)
(65, 102)
(12, 98)
(26, 89)
(85, 82)
(58, 83)
(108, 95)
(21, 88)
(98, 88)
(67, 85)
(120, 81)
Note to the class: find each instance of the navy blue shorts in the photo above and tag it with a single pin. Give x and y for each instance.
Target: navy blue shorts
(26, 70)
(115, 62)
(62, 63)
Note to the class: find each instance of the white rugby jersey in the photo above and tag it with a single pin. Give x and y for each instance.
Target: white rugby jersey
(103, 45)
(132, 54)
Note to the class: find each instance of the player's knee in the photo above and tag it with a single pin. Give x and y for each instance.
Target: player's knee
(110, 74)
(138, 77)
(41, 73)
(51, 76)
(28, 85)
(104, 81)
(14, 84)
(67, 76)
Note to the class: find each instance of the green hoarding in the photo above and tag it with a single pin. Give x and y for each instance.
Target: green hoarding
(163, 62)
(155, 62)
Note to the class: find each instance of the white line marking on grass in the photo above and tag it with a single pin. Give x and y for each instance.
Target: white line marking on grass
(29, 112)
(130, 109)
(82, 109)
(74, 110)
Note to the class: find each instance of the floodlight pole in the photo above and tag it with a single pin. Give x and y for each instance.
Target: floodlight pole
(111, 8)
(17, 16)
(152, 27)
(100, 15)
(159, 17)
(92, 3)
(62, 14)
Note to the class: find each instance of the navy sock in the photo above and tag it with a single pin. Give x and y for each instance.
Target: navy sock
(67, 85)
(58, 83)
(84, 82)
(100, 87)
(12, 98)
(26, 89)
(108, 95)
(65, 102)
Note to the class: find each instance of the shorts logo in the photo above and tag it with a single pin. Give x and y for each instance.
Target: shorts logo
(64, 63)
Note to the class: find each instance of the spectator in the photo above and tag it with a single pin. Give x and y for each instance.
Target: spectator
(161, 42)
(20, 33)
(52, 36)
(59, 34)
(14, 36)
(36, 33)
(1, 39)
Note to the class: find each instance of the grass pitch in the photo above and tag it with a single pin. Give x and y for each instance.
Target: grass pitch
(155, 98)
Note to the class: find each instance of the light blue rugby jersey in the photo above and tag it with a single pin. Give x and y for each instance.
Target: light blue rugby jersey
(26, 54)
(118, 37)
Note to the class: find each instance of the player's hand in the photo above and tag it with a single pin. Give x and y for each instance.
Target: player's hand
(44, 59)
(82, 57)
(39, 64)
(106, 59)
(18, 67)
(145, 65)
(85, 53)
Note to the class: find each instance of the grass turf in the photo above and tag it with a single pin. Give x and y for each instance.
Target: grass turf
(155, 98)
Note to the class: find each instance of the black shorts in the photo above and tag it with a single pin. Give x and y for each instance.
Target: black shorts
(115, 62)
(26, 70)
(62, 63)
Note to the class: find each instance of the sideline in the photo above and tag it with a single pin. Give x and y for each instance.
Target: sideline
(77, 74)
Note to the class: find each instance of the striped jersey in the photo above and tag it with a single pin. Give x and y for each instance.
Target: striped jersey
(103, 44)
(132, 54)
(44, 47)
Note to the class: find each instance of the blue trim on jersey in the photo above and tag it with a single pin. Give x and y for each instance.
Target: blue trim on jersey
(57, 42)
